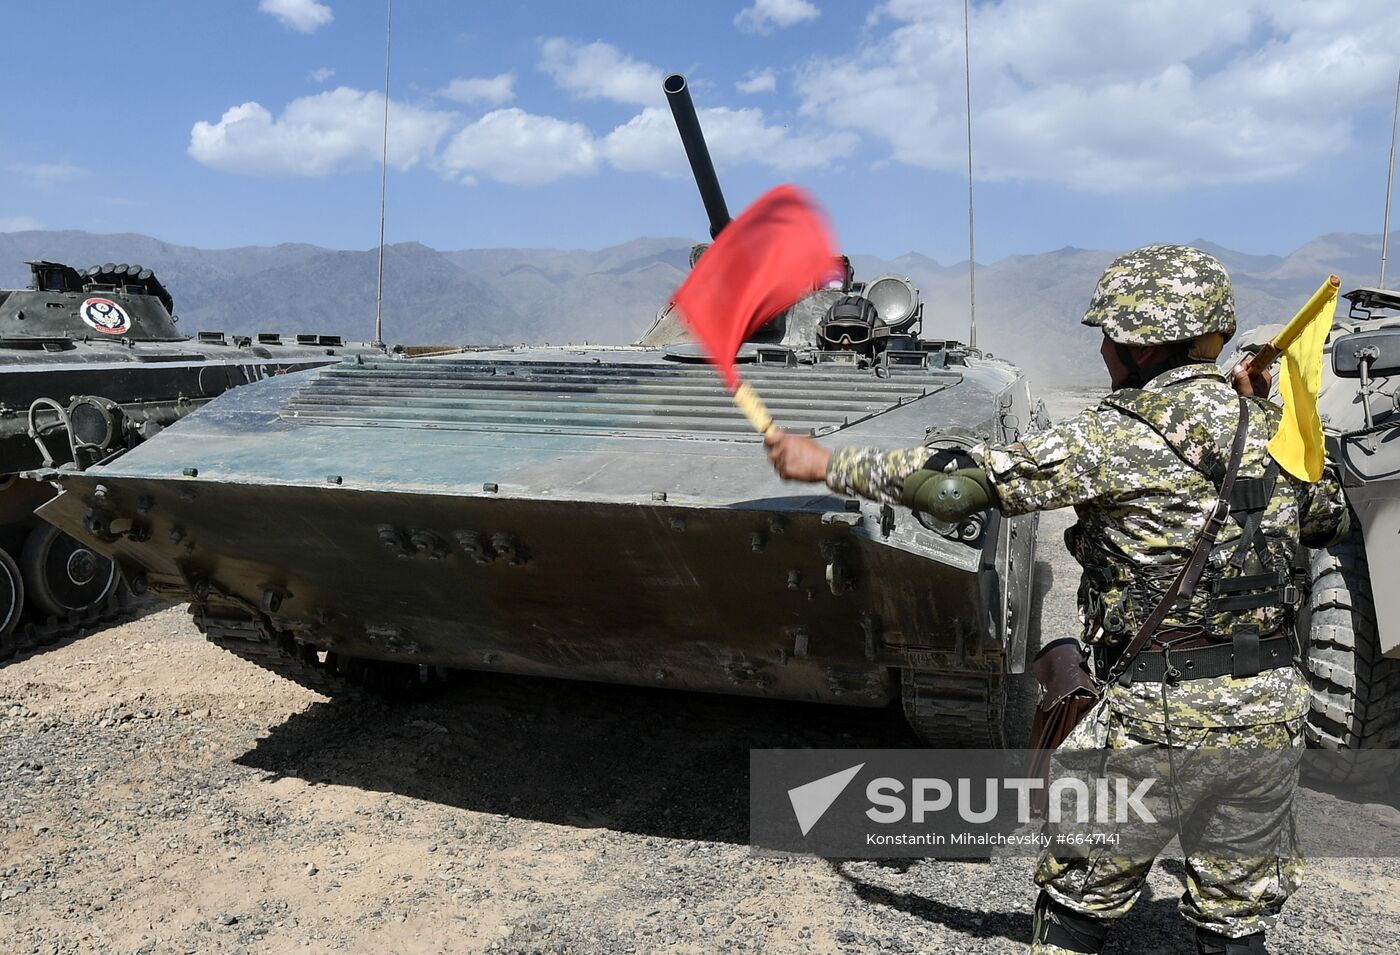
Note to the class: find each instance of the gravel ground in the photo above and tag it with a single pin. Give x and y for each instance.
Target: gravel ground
(158, 795)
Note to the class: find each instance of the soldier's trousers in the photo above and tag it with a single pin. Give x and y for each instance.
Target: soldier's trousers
(1228, 793)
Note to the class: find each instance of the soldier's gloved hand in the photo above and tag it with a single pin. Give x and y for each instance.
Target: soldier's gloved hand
(950, 496)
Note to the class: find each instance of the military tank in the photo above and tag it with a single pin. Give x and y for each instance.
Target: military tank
(91, 363)
(1353, 661)
(597, 513)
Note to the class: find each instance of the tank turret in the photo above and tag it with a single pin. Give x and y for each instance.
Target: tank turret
(106, 301)
(862, 322)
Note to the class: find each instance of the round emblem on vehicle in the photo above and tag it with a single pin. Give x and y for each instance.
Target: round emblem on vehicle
(105, 315)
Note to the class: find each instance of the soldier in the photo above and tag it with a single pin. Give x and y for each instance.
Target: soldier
(1144, 470)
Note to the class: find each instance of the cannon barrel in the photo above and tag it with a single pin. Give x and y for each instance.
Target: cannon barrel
(688, 125)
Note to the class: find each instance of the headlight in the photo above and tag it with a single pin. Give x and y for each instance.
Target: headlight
(895, 299)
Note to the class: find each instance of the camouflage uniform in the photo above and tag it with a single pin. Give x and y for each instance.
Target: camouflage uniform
(1140, 506)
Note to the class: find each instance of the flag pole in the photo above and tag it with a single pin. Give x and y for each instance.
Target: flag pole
(1269, 352)
(754, 409)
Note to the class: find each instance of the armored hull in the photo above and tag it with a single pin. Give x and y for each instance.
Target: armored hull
(91, 363)
(600, 514)
(1353, 659)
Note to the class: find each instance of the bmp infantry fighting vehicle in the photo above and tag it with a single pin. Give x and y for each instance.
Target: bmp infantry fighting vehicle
(90, 364)
(1353, 661)
(598, 513)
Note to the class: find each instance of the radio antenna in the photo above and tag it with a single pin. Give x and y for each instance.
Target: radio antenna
(383, 185)
(1389, 181)
(971, 244)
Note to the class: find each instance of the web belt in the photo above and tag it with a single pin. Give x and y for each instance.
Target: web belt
(1244, 655)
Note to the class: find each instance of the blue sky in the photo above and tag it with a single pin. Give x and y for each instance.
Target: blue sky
(1097, 123)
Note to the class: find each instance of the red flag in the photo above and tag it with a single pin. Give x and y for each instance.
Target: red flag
(780, 249)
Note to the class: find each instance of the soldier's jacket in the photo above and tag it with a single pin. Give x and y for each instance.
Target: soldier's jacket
(1141, 506)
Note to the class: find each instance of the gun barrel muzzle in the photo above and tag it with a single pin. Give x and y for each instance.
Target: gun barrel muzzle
(688, 125)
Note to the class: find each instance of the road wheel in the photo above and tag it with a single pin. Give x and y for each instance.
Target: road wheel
(63, 577)
(1355, 691)
(11, 603)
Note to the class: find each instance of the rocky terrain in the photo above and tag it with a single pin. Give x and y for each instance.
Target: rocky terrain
(158, 795)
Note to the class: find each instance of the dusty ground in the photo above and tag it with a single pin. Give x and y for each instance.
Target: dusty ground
(158, 795)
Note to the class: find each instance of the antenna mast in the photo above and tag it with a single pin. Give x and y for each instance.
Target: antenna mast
(1389, 181)
(383, 184)
(971, 246)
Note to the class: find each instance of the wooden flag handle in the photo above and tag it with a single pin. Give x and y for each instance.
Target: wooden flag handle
(1269, 352)
(754, 409)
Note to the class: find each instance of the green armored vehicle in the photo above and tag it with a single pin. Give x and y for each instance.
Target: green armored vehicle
(598, 513)
(1353, 661)
(91, 363)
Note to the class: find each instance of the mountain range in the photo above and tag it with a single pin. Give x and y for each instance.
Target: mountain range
(1028, 306)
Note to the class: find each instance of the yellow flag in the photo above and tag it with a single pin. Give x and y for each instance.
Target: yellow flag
(1297, 445)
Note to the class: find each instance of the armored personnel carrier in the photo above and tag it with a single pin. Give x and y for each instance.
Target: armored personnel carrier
(1353, 661)
(597, 513)
(91, 363)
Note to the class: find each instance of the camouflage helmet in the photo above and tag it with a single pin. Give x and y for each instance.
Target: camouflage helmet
(1163, 293)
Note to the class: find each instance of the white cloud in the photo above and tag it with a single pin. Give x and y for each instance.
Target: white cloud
(304, 16)
(511, 145)
(19, 224)
(765, 16)
(762, 81)
(315, 135)
(48, 173)
(600, 71)
(494, 90)
(648, 143)
(321, 74)
(1135, 95)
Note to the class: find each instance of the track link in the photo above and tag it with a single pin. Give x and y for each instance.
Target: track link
(330, 674)
(955, 711)
(34, 634)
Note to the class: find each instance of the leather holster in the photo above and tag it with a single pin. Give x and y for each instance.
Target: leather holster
(1062, 670)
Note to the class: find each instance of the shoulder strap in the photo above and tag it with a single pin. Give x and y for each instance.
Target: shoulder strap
(1247, 506)
(1185, 583)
